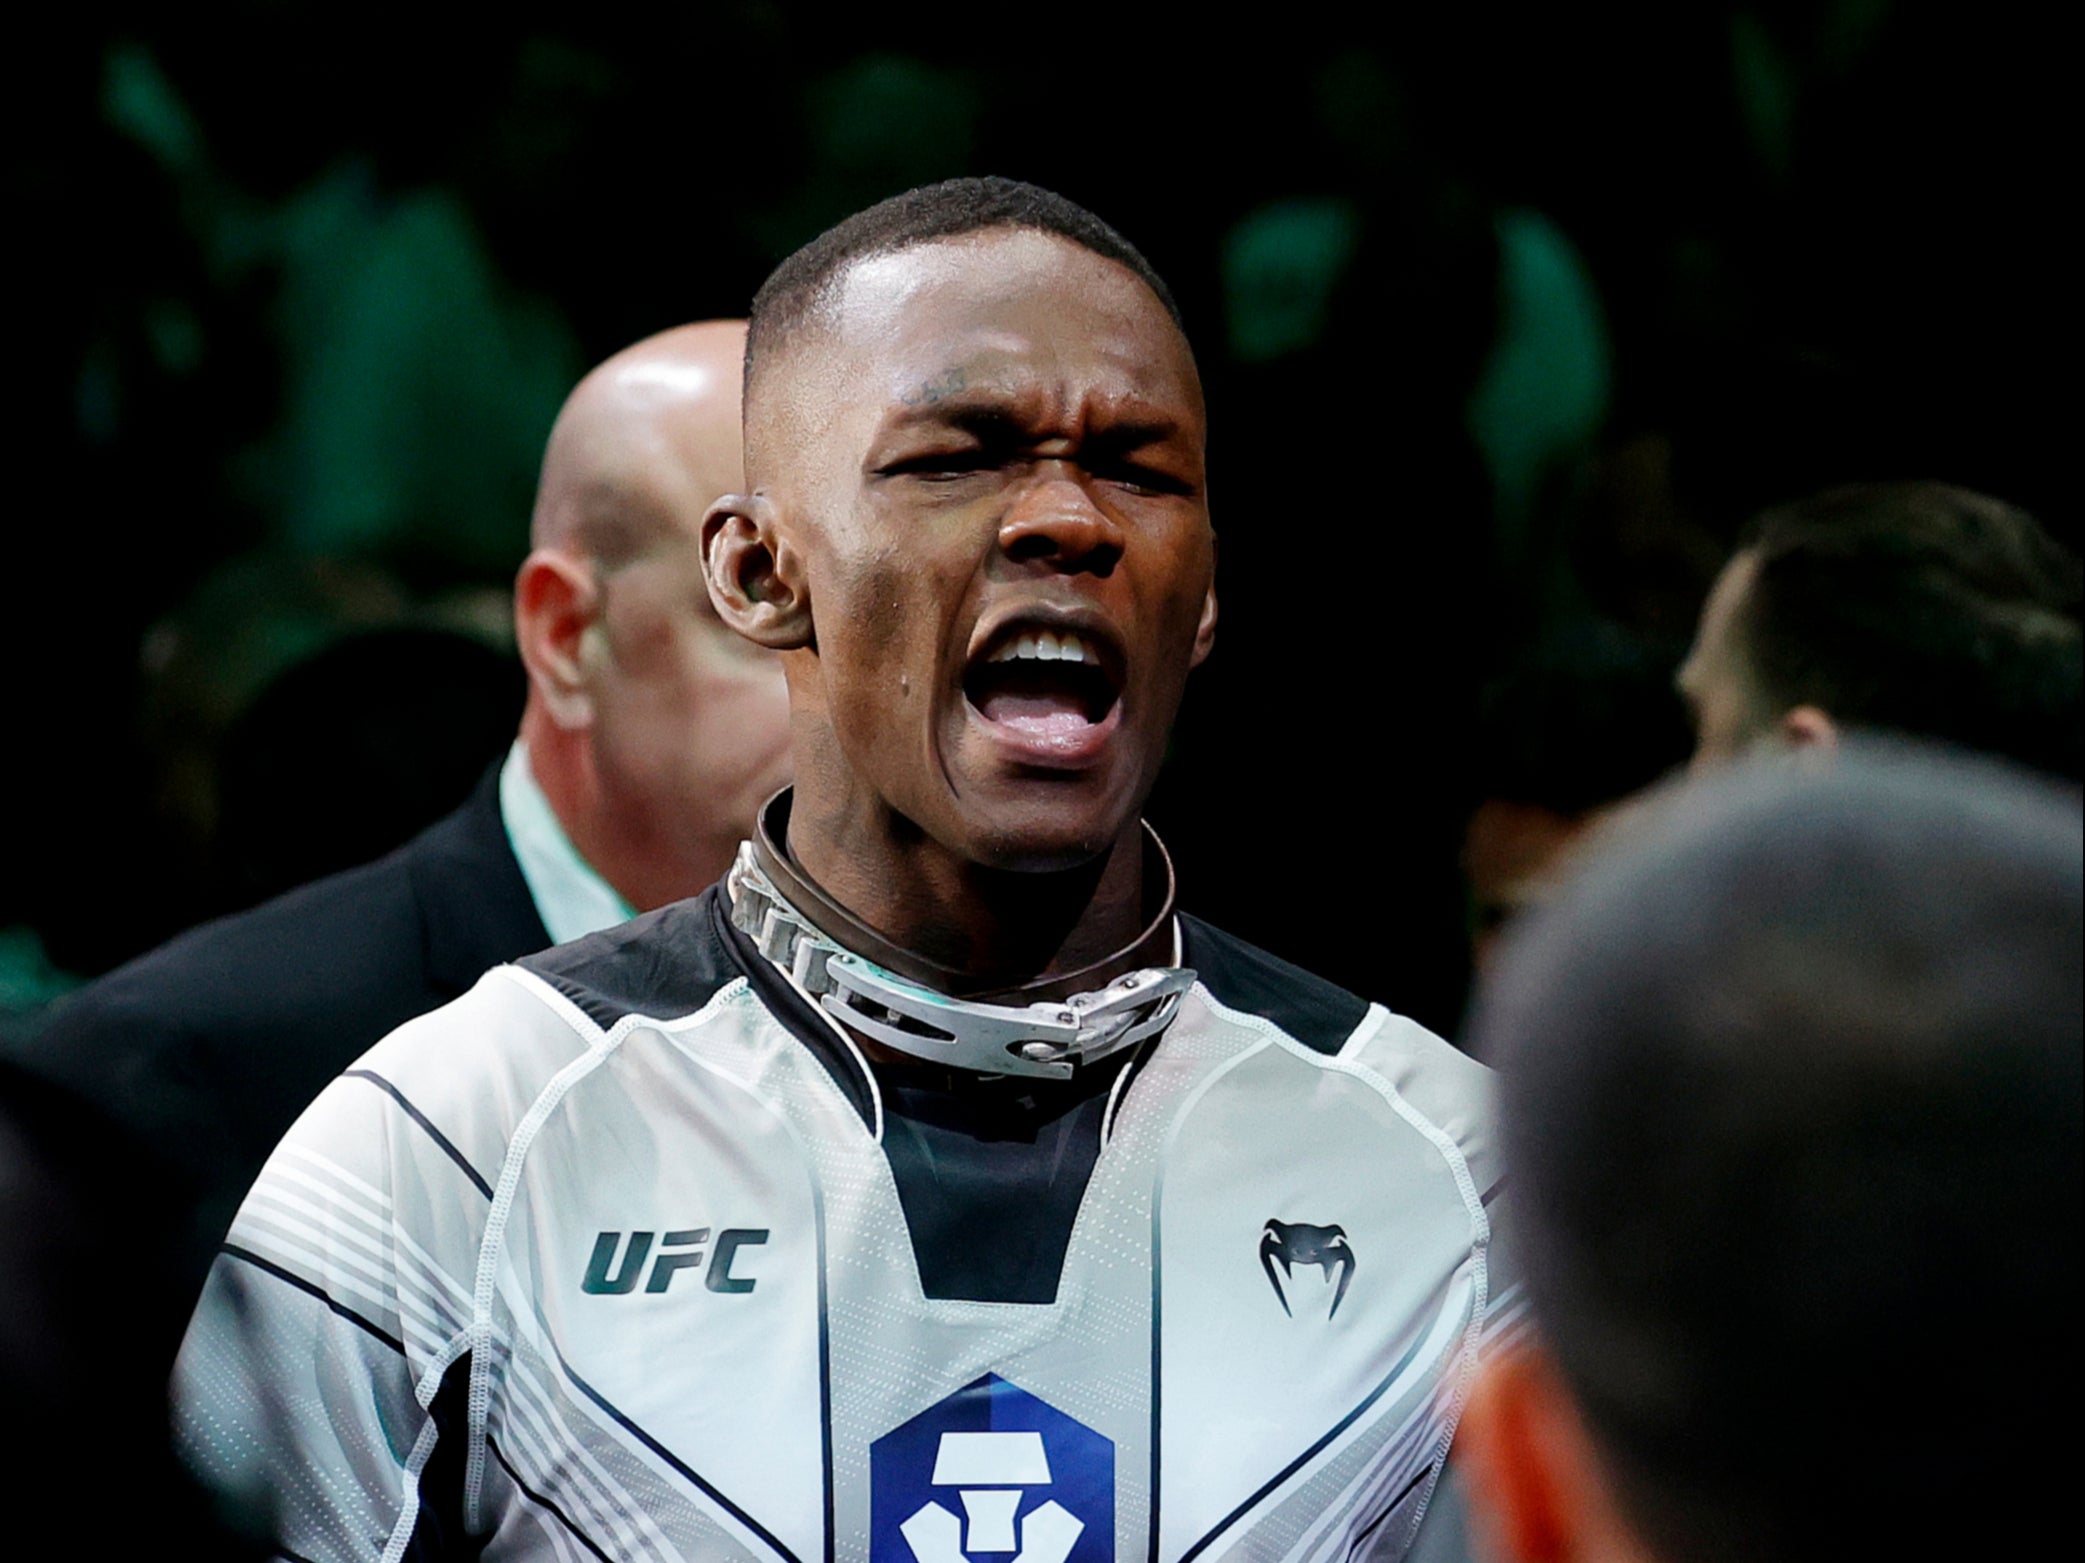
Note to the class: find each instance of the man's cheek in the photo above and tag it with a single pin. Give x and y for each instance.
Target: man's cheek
(876, 610)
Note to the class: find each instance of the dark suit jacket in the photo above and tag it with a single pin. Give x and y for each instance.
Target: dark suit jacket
(208, 1048)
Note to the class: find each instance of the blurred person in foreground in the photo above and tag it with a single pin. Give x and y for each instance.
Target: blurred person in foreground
(649, 736)
(1791, 1099)
(1914, 608)
(931, 1188)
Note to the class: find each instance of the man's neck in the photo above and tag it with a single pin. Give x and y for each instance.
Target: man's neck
(996, 928)
(559, 764)
(626, 844)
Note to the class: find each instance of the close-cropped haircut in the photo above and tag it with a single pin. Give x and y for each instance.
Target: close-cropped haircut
(946, 210)
(1921, 608)
(1791, 1086)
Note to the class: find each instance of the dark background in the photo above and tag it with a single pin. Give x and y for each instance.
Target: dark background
(1509, 317)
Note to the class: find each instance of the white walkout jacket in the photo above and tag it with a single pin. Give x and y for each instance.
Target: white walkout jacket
(605, 1259)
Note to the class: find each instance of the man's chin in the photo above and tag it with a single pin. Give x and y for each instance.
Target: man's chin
(1044, 837)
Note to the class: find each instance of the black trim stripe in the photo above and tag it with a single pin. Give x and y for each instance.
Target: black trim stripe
(423, 1121)
(1361, 1536)
(248, 1256)
(1308, 1455)
(291, 1557)
(1493, 1192)
(439, 1534)
(543, 1502)
(1157, 1355)
(825, 1364)
(661, 1450)
(1424, 1471)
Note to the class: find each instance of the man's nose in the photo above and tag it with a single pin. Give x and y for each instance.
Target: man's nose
(1058, 524)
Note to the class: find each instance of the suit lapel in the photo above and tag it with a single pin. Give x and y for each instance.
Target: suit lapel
(475, 907)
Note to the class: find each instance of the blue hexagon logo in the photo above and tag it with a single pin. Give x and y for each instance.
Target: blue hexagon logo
(991, 1475)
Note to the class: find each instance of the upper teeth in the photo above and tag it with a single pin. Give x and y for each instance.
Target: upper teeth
(1043, 646)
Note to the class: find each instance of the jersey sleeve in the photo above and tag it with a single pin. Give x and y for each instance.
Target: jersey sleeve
(1454, 1097)
(323, 1382)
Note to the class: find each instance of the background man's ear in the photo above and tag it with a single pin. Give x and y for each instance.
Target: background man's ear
(1807, 727)
(756, 579)
(1537, 1491)
(1205, 632)
(556, 601)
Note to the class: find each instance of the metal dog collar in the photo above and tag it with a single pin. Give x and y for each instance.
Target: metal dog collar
(1045, 1039)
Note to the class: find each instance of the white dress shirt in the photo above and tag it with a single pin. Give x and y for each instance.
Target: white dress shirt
(570, 897)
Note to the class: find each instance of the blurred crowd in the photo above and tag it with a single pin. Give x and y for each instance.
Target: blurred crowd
(1512, 320)
(1595, 398)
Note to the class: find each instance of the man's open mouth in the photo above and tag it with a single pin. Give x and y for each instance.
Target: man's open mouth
(1052, 686)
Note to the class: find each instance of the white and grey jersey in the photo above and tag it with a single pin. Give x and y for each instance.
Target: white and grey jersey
(606, 1259)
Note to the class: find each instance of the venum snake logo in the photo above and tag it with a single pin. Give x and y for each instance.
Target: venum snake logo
(1293, 1243)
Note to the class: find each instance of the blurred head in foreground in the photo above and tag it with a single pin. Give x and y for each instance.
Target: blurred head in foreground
(1791, 1083)
(1914, 608)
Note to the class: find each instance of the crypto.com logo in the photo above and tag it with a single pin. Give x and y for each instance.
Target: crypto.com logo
(991, 1473)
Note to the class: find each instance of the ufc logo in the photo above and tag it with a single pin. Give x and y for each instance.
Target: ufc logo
(678, 1251)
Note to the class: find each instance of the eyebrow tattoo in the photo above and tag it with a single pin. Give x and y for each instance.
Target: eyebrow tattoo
(927, 392)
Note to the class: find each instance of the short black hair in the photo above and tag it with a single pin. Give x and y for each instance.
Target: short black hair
(1791, 1093)
(1924, 609)
(938, 211)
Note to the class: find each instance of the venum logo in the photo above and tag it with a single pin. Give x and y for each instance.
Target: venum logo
(1292, 1243)
(678, 1251)
(994, 1473)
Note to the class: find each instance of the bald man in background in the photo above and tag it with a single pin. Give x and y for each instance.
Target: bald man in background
(650, 736)
(652, 732)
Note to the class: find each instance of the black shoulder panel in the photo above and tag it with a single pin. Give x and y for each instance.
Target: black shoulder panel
(1310, 1009)
(671, 962)
(662, 965)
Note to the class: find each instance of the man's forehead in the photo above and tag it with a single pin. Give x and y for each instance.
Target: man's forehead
(991, 261)
(1003, 292)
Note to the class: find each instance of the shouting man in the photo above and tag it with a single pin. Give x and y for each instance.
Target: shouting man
(932, 1188)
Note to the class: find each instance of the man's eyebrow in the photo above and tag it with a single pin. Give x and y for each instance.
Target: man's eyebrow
(982, 413)
(994, 418)
(1134, 432)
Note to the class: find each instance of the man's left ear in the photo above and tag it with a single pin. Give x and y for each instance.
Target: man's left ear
(1809, 728)
(756, 578)
(1205, 632)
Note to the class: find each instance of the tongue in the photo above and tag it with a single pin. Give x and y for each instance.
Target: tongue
(1040, 715)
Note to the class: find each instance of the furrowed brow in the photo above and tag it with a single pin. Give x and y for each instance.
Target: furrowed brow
(1131, 434)
(995, 421)
(987, 419)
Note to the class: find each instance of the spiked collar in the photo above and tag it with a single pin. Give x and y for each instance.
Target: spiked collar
(1045, 1028)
